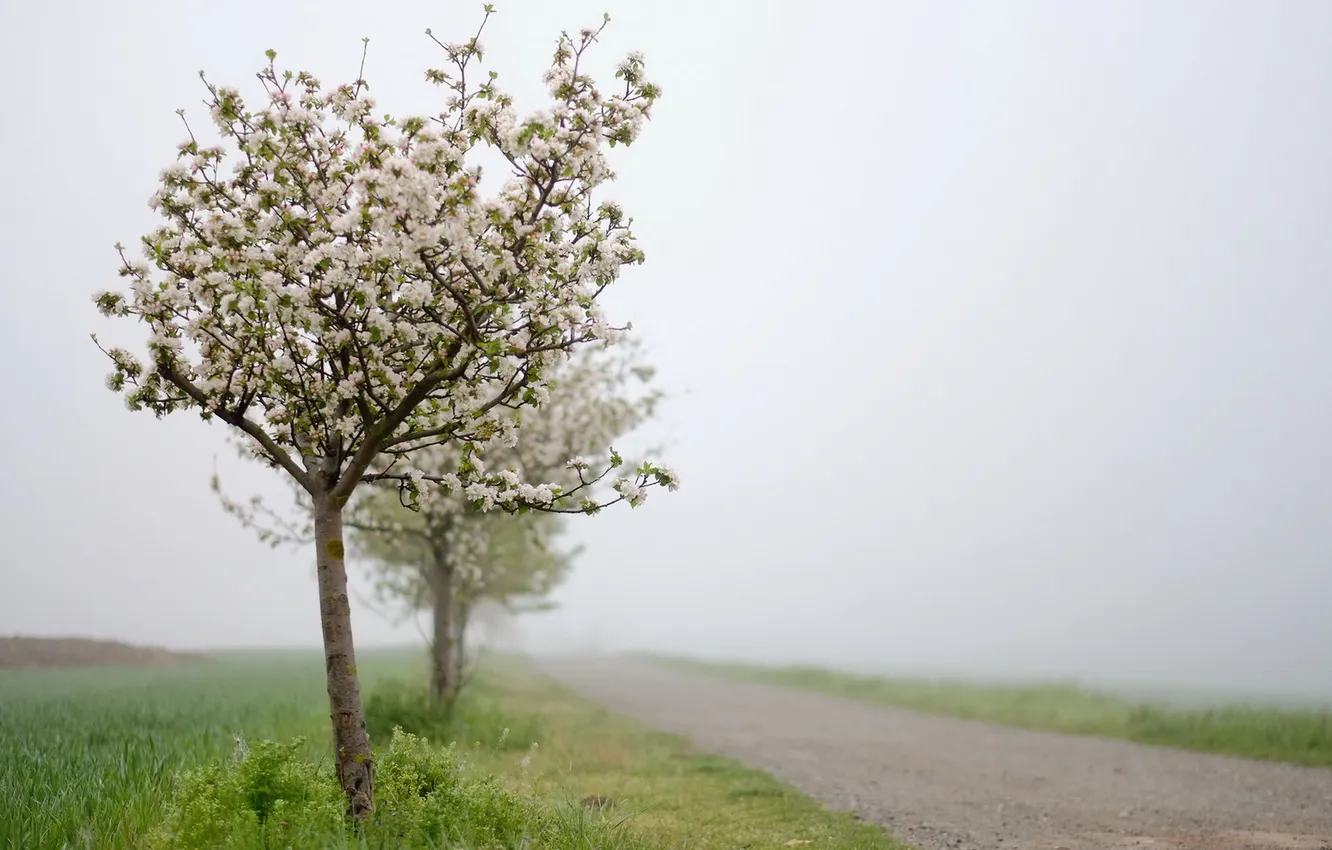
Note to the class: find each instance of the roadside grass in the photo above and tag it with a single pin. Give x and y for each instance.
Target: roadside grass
(1298, 736)
(657, 785)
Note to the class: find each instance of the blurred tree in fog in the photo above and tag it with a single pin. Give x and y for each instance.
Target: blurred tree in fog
(445, 555)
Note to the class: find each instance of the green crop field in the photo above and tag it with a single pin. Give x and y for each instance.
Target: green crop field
(90, 754)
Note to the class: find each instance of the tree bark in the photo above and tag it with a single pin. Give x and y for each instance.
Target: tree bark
(459, 658)
(442, 682)
(350, 740)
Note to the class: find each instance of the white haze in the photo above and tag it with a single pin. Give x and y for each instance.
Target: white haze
(997, 333)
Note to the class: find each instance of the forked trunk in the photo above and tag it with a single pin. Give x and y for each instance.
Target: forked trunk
(350, 740)
(442, 682)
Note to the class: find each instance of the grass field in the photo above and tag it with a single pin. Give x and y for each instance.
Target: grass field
(91, 755)
(1296, 736)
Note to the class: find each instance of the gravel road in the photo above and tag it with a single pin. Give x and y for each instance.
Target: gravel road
(941, 783)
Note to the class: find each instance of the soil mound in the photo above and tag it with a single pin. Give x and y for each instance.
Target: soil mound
(85, 652)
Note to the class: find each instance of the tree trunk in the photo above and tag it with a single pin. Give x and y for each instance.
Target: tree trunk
(442, 682)
(350, 740)
(464, 612)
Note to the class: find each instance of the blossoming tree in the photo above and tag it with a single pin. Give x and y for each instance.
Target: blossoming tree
(523, 564)
(446, 555)
(337, 289)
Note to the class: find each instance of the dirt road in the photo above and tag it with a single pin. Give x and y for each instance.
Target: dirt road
(942, 783)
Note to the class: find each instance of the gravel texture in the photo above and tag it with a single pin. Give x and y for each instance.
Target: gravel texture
(938, 782)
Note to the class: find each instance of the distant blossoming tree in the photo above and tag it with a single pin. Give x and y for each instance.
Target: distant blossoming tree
(337, 289)
(507, 563)
(446, 555)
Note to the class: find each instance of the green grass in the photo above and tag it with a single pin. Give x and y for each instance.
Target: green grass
(1259, 732)
(672, 794)
(91, 759)
(90, 754)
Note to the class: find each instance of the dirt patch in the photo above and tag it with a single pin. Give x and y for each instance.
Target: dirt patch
(85, 652)
(1227, 840)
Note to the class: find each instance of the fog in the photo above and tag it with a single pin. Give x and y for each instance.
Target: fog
(997, 335)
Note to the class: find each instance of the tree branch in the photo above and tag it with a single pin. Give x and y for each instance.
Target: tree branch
(388, 530)
(249, 427)
(375, 438)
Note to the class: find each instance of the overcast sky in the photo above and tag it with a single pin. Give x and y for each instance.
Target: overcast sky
(999, 333)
